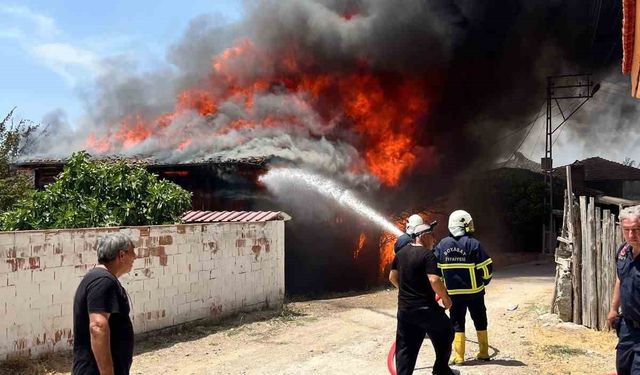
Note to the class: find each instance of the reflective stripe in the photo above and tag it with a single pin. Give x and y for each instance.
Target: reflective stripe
(462, 266)
(484, 266)
(471, 267)
(472, 276)
(485, 263)
(485, 273)
(454, 292)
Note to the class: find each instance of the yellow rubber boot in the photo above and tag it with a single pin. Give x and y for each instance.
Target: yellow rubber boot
(458, 349)
(483, 344)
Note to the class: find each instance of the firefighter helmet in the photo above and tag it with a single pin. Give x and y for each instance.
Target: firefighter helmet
(413, 222)
(460, 222)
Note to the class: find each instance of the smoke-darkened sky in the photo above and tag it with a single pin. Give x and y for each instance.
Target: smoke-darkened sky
(482, 66)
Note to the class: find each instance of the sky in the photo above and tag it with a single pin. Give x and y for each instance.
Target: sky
(51, 49)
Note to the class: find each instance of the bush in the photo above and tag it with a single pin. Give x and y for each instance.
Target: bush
(94, 194)
(14, 137)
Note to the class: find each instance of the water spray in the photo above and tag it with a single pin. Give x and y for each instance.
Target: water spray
(279, 177)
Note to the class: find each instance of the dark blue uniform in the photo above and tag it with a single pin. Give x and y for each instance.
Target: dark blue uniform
(401, 242)
(628, 349)
(466, 269)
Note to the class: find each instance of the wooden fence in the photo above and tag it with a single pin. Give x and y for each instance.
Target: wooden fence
(586, 263)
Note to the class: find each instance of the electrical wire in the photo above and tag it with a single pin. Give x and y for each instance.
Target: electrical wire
(540, 133)
(524, 138)
(562, 128)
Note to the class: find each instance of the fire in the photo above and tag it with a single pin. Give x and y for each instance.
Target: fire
(100, 145)
(133, 131)
(387, 240)
(198, 100)
(184, 144)
(379, 115)
(361, 241)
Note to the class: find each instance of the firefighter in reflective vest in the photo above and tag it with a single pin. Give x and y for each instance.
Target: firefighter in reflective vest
(466, 269)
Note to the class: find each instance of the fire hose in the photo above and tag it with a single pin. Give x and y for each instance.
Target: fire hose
(391, 357)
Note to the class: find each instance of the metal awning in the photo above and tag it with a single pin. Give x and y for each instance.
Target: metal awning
(233, 216)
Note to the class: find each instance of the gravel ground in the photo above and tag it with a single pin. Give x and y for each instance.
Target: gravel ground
(352, 335)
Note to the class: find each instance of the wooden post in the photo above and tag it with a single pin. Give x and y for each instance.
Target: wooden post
(576, 264)
(599, 278)
(572, 238)
(607, 268)
(570, 193)
(585, 261)
(591, 271)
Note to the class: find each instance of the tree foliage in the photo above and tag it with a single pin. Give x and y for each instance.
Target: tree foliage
(629, 162)
(14, 137)
(91, 193)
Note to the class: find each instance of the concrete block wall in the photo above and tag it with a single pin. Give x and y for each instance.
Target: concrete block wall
(182, 273)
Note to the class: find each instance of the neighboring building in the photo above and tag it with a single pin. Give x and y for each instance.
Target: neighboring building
(597, 176)
(216, 185)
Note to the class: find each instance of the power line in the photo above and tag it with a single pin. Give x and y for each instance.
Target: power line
(525, 137)
(537, 141)
(562, 128)
(518, 130)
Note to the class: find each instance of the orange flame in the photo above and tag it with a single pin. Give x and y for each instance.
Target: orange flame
(184, 144)
(383, 112)
(387, 240)
(133, 131)
(101, 145)
(361, 241)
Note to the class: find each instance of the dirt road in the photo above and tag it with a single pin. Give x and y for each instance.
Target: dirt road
(353, 334)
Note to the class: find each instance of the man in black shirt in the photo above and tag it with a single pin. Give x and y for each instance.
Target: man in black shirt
(415, 273)
(102, 329)
(408, 235)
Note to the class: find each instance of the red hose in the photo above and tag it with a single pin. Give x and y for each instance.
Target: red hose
(391, 357)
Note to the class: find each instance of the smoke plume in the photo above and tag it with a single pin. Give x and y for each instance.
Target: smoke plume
(373, 90)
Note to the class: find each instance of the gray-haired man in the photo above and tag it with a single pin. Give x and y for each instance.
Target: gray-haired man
(102, 329)
(625, 295)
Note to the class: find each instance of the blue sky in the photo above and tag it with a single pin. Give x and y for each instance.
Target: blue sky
(50, 49)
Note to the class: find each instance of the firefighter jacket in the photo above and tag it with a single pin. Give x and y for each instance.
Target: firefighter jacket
(466, 267)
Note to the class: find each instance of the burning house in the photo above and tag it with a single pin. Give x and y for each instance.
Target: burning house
(397, 103)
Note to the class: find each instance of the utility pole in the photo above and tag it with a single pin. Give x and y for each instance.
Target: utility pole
(562, 87)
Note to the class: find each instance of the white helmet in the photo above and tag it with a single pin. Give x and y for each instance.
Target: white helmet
(413, 222)
(460, 223)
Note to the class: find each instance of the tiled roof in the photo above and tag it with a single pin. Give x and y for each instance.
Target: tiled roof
(233, 216)
(599, 169)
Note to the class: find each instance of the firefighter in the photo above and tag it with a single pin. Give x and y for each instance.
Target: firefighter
(626, 296)
(415, 273)
(407, 237)
(466, 269)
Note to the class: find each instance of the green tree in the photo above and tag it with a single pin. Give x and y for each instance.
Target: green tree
(14, 137)
(90, 193)
(629, 162)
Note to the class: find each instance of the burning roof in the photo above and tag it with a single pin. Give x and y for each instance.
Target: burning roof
(142, 161)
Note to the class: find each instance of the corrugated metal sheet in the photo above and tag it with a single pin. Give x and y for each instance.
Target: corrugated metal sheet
(628, 34)
(233, 216)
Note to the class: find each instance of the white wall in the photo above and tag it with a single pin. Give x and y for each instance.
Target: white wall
(182, 273)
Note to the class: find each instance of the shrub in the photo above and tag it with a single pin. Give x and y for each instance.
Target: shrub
(91, 193)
